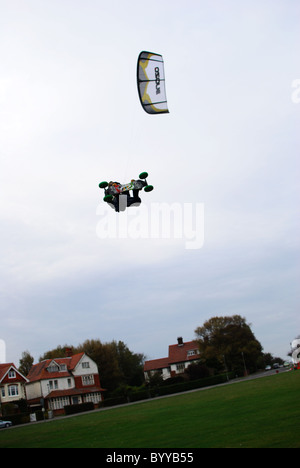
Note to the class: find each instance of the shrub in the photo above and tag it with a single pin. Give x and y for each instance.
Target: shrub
(80, 408)
(20, 418)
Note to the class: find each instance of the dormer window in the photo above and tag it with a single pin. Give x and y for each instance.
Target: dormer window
(53, 368)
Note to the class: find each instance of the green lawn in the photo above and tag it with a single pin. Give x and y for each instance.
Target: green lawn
(258, 413)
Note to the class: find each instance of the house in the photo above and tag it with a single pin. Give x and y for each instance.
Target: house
(12, 384)
(181, 355)
(56, 383)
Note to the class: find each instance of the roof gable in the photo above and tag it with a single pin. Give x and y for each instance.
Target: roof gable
(75, 360)
(4, 370)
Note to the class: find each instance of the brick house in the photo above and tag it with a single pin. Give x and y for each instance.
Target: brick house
(12, 384)
(181, 355)
(56, 383)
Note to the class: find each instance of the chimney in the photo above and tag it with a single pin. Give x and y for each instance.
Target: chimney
(68, 352)
(180, 341)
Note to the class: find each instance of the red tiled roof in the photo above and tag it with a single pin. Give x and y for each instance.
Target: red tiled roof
(177, 353)
(74, 391)
(156, 364)
(39, 371)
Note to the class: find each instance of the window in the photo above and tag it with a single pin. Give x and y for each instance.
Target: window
(88, 380)
(3, 392)
(11, 374)
(53, 384)
(13, 390)
(85, 365)
(192, 352)
(180, 367)
(93, 397)
(63, 368)
(58, 403)
(69, 383)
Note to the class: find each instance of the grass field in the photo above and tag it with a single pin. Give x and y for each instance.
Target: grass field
(258, 413)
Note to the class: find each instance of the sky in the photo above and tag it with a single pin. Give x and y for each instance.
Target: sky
(224, 164)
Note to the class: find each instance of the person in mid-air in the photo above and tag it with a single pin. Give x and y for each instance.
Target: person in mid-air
(120, 200)
(118, 195)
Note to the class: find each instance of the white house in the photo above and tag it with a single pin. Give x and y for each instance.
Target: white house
(56, 383)
(181, 355)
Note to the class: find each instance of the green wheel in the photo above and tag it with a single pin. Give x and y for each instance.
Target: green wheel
(108, 198)
(103, 184)
(148, 188)
(143, 175)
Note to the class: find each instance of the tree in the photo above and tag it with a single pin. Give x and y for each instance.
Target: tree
(26, 363)
(117, 364)
(196, 371)
(58, 352)
(105, 356)
(228, 342)
(131, 364)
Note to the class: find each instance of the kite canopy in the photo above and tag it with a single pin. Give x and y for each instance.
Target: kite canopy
(151, 83)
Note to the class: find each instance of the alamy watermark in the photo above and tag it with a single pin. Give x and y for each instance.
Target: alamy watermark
(295, 96)
(296, 351)
(173, 221)
(2, 352)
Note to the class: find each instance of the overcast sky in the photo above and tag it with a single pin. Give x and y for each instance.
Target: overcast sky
(70, 117)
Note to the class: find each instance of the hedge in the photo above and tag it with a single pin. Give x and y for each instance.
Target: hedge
(190, 385)
(80, 408)
(153, 392)
(19, 418)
